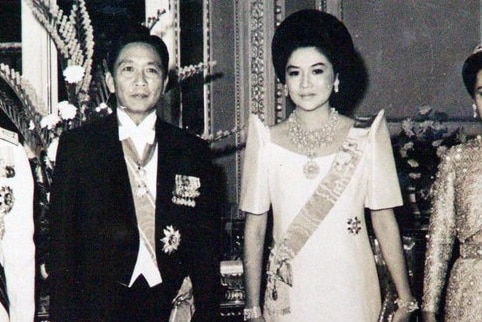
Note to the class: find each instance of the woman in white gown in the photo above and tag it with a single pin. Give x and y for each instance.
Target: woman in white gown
(318, 171)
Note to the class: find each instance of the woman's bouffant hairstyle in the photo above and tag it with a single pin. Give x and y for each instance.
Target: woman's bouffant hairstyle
(134, 34)
(312, 28)
(472, 65)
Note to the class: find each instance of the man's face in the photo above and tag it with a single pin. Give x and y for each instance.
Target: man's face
(139, 80)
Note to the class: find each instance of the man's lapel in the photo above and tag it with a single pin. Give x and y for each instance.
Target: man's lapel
(113, 162)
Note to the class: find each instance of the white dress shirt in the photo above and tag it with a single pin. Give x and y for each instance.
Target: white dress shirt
(141, 135)
(17, 248)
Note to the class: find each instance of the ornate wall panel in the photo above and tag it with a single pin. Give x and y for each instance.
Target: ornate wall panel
(255, 80)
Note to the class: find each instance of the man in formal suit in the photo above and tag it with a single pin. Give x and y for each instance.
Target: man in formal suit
(132, 204)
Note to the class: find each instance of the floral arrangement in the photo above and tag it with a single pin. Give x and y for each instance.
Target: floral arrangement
(66, 115)
(418, 149)
(73, 37)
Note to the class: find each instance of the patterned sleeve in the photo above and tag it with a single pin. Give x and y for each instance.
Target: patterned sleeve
(383, 186)
(254, 185)
(441, 235)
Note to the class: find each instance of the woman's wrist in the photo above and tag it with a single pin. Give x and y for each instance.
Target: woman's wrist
(253, 312)
(410, 305)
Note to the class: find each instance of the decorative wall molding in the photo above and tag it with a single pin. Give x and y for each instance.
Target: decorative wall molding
(280, 101)
(257, 58)
(174, 9)
(207, 58)
(240, 84)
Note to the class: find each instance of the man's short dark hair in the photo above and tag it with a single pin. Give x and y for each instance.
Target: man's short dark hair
(137, 34)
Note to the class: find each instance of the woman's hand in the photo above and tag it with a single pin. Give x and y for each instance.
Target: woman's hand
(401, 315)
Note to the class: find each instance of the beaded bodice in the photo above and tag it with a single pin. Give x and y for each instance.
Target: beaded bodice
(456, 214)
(464, 165)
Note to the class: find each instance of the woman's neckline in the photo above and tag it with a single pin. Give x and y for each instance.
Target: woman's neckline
(331, 153)
(301, 154)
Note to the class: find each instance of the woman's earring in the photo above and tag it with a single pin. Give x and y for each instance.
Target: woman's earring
(335, 86)
(474, 107)
(286, 91)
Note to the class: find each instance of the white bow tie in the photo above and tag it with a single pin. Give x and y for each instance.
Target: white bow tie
(137, 133)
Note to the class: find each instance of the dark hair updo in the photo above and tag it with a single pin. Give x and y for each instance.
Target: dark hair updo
(472, 65)
(312, 28)
(133, 34)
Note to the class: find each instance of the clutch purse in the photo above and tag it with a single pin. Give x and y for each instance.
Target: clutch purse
(183, 304)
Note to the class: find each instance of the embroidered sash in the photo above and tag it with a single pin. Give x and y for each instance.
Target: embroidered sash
(144, 201)
(3, 290)
(308, 220)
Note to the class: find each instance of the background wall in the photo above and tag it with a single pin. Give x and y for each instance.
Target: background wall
(414, 51)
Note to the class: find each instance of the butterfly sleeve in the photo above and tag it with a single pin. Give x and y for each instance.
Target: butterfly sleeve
(254, 184)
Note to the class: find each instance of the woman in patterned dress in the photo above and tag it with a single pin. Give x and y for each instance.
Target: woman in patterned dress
(318, 171)
(457, 219)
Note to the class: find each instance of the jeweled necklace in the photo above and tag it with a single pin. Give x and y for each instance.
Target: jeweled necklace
(309, 141)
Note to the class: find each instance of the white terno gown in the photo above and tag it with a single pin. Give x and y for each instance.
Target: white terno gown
(334, 274)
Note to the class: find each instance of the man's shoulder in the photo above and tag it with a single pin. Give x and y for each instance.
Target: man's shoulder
(93, 129)
(180, 137)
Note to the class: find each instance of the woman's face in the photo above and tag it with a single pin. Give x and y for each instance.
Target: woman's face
(309, 78)
(478, 92)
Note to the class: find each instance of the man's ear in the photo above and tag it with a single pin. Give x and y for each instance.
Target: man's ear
(109, 80)
(166, 82)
